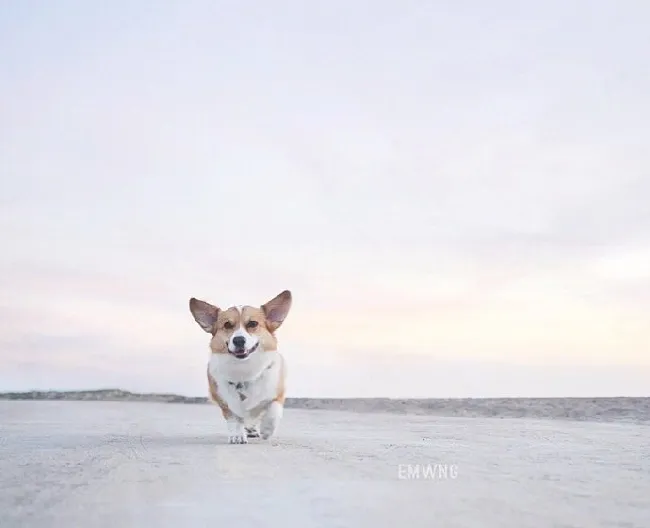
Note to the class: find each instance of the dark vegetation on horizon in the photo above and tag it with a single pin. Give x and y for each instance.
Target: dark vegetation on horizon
(124, 395)
(601, 409)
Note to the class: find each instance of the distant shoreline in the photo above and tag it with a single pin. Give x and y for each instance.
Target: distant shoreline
(601, 409)
(101, 395)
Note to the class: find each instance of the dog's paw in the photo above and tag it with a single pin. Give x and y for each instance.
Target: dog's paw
(236, 432)
(271, 420)
(267, 433)
(252, 432)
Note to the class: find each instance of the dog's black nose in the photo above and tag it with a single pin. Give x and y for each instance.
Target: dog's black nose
(239, 341)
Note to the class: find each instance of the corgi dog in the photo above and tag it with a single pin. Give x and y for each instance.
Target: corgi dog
(246, 372)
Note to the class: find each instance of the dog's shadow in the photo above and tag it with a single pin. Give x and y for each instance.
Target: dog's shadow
(217, 439)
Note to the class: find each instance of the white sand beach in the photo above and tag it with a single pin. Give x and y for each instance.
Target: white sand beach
(106, 464)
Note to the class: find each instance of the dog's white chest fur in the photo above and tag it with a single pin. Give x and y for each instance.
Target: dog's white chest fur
(248, 386)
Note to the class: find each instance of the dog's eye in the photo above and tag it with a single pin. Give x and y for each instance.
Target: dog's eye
(251, 324)
(227, 325)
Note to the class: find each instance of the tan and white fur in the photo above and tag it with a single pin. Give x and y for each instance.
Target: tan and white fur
(246, 372)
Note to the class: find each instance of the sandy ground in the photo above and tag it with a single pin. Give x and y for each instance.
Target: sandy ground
(65, 464)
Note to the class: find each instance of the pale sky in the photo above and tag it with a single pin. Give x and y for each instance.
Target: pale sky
(456, 193)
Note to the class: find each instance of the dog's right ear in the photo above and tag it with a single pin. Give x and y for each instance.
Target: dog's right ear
(204, 314)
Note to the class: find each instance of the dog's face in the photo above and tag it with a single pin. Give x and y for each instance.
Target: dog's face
(242, 330)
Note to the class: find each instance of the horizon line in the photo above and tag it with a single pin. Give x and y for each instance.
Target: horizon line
(315, 398)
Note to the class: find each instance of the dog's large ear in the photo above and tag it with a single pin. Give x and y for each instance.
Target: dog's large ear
(204, 313)
(277, 309)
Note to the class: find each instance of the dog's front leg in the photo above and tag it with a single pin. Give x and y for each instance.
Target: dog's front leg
(236, 430)
(235, 416)
(271, 419)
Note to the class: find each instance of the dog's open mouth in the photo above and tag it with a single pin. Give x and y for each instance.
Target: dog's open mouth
(243, 352)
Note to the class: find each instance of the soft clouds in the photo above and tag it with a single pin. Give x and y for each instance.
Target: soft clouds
(451, 182)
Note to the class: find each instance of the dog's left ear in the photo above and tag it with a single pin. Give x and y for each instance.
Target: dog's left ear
(276, 310)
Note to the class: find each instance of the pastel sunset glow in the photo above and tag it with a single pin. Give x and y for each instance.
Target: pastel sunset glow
(456, 194)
